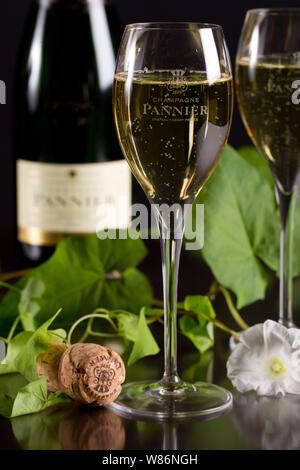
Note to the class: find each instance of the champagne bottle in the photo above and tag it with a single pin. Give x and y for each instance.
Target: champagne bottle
(71, 176)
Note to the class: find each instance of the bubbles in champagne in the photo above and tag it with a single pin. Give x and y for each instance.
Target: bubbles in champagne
(265, 94)
(172, 126)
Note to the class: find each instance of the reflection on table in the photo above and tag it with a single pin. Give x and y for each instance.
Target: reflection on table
(70, 428)
(270, 423)
(253, 423)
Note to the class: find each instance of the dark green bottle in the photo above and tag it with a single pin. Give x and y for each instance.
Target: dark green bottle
(71, 176)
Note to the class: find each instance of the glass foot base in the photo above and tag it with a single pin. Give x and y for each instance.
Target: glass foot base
(155, 402)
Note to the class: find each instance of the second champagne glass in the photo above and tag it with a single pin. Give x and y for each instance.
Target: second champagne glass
(172, 102)
(268, 80)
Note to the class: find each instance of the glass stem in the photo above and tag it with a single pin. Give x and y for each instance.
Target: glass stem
(170, 438)
(170, 248)
(287, 204)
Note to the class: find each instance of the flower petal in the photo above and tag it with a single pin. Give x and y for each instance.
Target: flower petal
(270, 388)
(267, 360)
(276, 336)
(293, 378)
(244, 368)
(294, 334)
(253, 337)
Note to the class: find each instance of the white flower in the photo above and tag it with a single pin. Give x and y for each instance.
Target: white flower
(266, 360)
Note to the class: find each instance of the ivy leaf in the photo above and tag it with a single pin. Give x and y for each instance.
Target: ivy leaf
(31, 398)
(199, 304)
(29, 350)
(11, 384)
(241, 223)
(27, 345)
(200, 331)
(200, 335)
(254, 157)
(14, 348)
(201, 370)
(34, 398)
(6, 404)
(128, 325)
(269, 249)
(132, 292)
(28, 305)
(145, 344)
(154, 312)
(83, 274)
(296, 241)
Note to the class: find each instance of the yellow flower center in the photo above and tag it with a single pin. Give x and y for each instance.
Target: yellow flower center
(276, 367)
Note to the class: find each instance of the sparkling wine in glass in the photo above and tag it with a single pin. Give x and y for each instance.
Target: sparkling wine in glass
(268, 81)
(172, 102)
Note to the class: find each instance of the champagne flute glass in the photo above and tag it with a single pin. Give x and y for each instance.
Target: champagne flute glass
(268, 80)
(172, 101)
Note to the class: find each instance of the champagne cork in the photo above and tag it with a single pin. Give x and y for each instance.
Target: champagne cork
(90, 373)
(48, 365)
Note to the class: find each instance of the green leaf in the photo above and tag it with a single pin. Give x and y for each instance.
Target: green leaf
(254, 157)
(11, 384)
(55, 399)
(241, 224)
(199, 304)
(296, 243)
(27, 345)
(201, 369)
(31, 398)
(14, 348)
(145, 344)
(201, 335)
(131, 292)
(83, 274)
(128, 325)
(199, 330)
(270, 250)
(6, 404)
(34, 398)
(29, 350)
(153, 312)
(28, 305)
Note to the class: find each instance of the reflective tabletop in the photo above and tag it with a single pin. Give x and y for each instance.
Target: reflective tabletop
(252, 423)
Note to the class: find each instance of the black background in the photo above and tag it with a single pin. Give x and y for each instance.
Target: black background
(12, 18)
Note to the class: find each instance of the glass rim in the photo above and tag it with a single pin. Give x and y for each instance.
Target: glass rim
(274, 11)
(172, 25)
